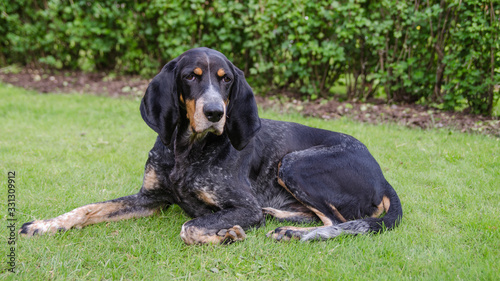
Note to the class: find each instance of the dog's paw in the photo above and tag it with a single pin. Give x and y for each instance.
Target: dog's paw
(195, 235)
(287, 233)
(231, 235)
(38, 227)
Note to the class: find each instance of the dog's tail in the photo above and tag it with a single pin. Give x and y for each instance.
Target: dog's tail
(391, 219)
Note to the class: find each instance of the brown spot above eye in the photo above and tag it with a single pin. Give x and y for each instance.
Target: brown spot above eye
(221, 72)
(198, 71)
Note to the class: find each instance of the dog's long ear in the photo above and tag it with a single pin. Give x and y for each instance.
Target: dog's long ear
(243, 120)
(160, 106)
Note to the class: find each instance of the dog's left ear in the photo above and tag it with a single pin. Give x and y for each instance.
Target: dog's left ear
(243, 120)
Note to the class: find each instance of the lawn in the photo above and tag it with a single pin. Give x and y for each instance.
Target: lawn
(71, 150)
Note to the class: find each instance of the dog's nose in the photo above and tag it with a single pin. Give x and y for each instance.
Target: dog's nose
(213, 111)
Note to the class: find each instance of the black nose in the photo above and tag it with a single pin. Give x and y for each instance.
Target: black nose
(213, 111)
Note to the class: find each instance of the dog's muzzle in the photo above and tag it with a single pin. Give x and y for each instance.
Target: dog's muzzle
(210, 114)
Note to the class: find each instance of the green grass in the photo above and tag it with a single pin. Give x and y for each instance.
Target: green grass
(496, 109)
(70, 150)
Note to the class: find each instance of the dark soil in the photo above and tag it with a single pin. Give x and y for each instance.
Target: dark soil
(375, 112)
(76, 82)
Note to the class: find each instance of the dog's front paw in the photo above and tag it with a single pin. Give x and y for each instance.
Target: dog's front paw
(195, 235)
(231, 235)
(38, 227)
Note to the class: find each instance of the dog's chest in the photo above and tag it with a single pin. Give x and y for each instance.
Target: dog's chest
(200, 185)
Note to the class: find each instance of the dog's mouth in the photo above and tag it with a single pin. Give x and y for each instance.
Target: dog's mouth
(198, 133)
(215, 128)
(204, 126)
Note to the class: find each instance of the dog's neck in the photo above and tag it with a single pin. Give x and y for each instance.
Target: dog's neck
(186, 140)
(189, 148)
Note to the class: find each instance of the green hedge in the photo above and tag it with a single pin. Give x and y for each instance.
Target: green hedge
(445, 53)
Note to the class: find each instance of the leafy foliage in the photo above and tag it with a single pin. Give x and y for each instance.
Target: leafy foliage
(445, 53)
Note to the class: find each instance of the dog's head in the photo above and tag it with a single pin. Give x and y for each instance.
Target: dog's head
(210, 90)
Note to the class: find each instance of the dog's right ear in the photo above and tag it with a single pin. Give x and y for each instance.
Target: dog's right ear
(160, 106)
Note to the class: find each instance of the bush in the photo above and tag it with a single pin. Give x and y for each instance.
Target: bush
(444, 53)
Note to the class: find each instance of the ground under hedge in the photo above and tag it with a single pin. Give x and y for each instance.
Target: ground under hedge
(374, 111)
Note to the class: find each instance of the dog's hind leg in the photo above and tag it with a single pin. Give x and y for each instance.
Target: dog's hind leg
(337, 183)
(295, 212)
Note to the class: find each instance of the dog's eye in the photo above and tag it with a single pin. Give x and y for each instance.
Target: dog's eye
(226, 79)
(190, 77)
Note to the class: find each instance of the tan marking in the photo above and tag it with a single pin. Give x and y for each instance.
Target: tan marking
(387, 203)
(221, 72)
(181, 98)
(193, 235)
(191, 109)
(326, 221)
(285, 214)
(150, 180)
(382, 208)
(282, 183)
(198, 71)
(378, 212)
(337, 213)
(102, 211)
(207, 198)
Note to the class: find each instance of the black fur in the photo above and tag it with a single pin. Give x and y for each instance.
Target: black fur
(159, 107)
(243, 120)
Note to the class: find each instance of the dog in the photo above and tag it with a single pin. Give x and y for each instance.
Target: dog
(228, 169)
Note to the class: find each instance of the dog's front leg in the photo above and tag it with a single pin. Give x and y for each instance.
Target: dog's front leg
(133, 206)
(223, 227)
(153, 196)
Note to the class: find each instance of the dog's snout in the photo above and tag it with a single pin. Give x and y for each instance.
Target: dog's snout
(213, 111)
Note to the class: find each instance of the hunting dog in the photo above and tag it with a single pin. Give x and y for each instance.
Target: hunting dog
(228, 169)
